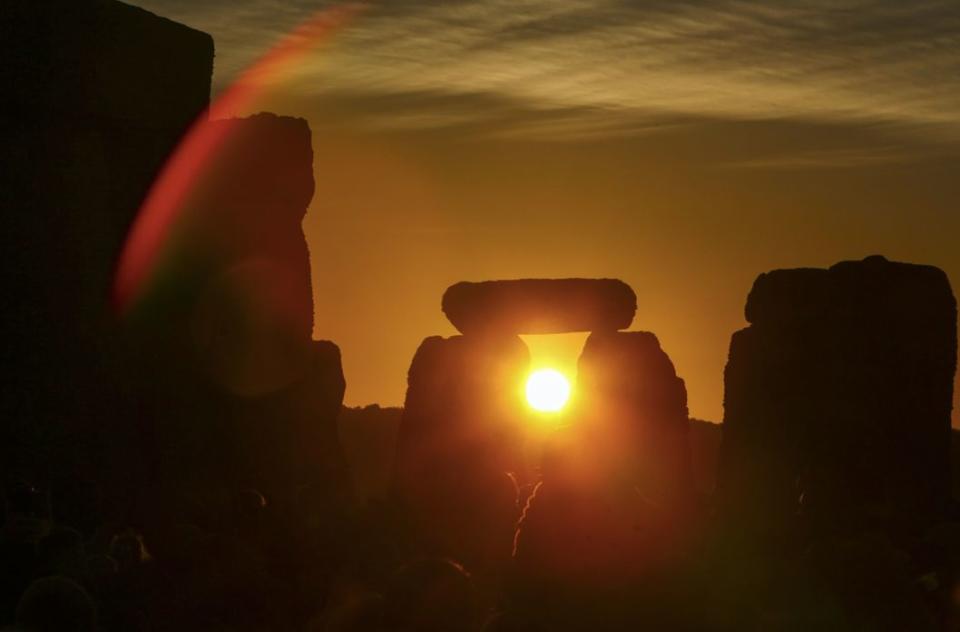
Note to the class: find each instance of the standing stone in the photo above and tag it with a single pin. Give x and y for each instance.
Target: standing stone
(101, 94)
(242, 295)
(838, 399)
(288, 440)
(251, 204)
(460, 439)
(628, 385)
(96, 95)
(247, 393)
(615, 495)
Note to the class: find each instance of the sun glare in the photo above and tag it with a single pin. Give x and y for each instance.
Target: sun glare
(547, 390)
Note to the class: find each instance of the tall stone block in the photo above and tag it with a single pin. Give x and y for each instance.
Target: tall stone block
(228, 325)
(250, 206)
(98, 94)
(221, 346)
(628, 386)
(838, 398)
(288, 440)
(460, 437)
(615, 497)
(239, 292)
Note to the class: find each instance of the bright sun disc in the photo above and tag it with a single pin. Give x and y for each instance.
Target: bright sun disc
(547, 390)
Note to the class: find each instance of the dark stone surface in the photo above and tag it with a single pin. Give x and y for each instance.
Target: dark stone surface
(103, 60)
(369, 439)
(96, 96)
(627, 383)
(252, 204)
(217, 359)
(460, 436)
(540, 306)
(237, 290)
(289, 439)
(838, 399)
(228, 324)
(614, 502)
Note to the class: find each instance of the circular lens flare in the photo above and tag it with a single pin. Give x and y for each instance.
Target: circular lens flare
(547, 390)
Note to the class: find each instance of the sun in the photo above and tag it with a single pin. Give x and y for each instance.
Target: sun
(547, 390)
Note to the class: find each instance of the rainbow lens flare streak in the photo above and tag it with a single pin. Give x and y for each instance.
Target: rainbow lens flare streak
(179, 177)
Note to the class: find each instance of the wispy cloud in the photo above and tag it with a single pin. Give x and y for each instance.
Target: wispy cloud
(601, 64)
(849, 158)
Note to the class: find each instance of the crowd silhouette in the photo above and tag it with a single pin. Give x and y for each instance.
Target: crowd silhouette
(578, 564)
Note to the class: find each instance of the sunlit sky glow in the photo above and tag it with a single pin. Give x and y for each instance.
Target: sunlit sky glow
(684, 146)
(547, 390)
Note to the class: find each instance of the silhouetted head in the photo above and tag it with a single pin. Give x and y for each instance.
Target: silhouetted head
(431, 595)
(127, 549)
(56, 604)
(249, 505)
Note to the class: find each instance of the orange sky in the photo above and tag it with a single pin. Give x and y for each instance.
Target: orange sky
(399, 217)
(684, 148)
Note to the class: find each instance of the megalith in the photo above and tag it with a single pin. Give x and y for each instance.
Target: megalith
(236, 322)
(98, 94)
(629, 388)
(613, 483)
(838, 398)
(617, 481)
(460, 443)
(540, 306)
(288, 440)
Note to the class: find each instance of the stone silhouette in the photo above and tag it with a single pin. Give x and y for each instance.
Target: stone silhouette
(459, 441)
(460, 449)
(615, 486)
(616, 491)
(288, 439)
(234, 314)
(630, 391)
(244, 286)
(369, 439)
(252, 203)
(213, 378)
(540, 306)
(101, 92)
(838, 399)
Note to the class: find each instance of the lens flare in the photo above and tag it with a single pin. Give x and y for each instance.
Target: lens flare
(178, 181)
(547, 390)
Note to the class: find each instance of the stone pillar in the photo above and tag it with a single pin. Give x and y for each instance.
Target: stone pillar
(838, 399)
(460, 440)
(97, 94)
(288, 440)
(616, 489)
(629, 388)
(230, 324)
